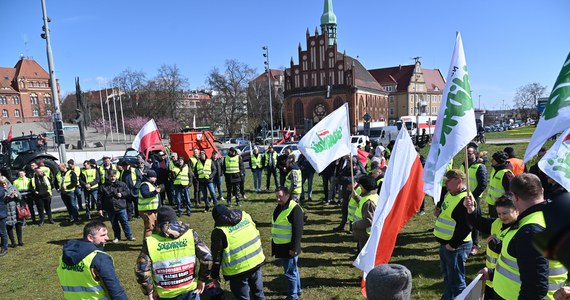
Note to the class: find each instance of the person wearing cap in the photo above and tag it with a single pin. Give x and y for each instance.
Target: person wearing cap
(182, 176)
(517, 163)
(149, 200)
(270, 165)
(66, 183)
(500, 179)
(78, 194)
(286, 233)
(205, 171)
(233, 167)
(453, 233)
(167, 265)
(237, 251)
(389, 282)
(113, 202)
(193, 159)
(477, 185)
(522, 271)
(132, 177)
(364, 213)
(162, 166)
(85, 271)
(89, 181)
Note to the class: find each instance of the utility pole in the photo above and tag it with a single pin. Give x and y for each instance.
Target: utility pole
(268, 70)
(57, 119)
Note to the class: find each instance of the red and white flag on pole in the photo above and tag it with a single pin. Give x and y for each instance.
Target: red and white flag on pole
(9, 134)
(400, 198)
(147, 136)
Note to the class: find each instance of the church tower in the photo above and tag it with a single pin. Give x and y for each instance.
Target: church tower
(328, 22)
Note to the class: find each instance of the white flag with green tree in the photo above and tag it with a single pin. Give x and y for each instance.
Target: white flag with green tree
(556, 115)
(455, 126)
(556, 162)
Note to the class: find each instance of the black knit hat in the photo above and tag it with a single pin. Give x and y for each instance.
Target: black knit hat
(367, 182)
(165, 214)
(219, 210)
(500, 157)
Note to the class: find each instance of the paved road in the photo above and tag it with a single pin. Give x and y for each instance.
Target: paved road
(508, 141)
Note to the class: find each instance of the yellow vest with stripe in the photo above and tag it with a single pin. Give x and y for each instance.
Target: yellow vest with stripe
(256, 161)
(22, 184)
(296, 190)
(173, 264)
(491, 259)
(77, 171)
(181, 175)
(472, 171)
(353, 204)
(274, 154)
(358, 213)
(90, 175)
(496, 189)
(46, 180)
(204, 170)
(47, 171)
(103, 172)
(146, 204)
(244, 250)
(77, 280)
(507, 282)
(281, 228)
(445, 224)
(232, 164)
(66, 181)
(193, 161)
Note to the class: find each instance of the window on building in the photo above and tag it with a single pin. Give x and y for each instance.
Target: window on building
(34, 98)
(47, 99)
(16, 113)
(35, 113)
(433, 110)
(411, 111)
(299, 112)
(31, 84)
(15, 99)
(3, 100)
(5, 113)
(391, 112)
(45, 84)
(391, 99)
(48, 112)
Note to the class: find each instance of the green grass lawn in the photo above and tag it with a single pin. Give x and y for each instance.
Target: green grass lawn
(521, 132)
(325, 264)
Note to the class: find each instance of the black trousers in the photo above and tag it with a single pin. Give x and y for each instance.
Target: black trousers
(271, 171)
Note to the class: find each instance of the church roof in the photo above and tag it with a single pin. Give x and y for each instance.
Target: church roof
(328, 16)
(434, 80)
(6, 77)
(400, 75)
(30, 69)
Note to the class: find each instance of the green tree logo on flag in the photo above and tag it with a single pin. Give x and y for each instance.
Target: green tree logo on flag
(561, 164)
(560, 96)
(458, 102)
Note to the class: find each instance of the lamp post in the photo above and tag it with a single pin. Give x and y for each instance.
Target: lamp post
(109, 112)
(268, 70)
(57, 120)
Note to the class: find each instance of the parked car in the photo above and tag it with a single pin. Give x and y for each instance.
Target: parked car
(280, 149)
(245, 151)
(238, 141)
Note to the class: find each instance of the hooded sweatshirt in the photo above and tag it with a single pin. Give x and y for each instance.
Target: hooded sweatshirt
(75, 251)
(224, 217)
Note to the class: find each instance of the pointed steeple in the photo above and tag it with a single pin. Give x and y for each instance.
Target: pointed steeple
(328, 22)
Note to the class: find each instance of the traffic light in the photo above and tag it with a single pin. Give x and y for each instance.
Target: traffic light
(58, 131)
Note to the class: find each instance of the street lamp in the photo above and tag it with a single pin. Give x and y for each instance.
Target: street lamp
(268, 70)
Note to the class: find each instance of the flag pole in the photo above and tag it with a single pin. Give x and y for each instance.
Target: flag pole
(466, 163)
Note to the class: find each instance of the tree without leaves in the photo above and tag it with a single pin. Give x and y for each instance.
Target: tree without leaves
(132, 84)
(526, 99)
(228, 108)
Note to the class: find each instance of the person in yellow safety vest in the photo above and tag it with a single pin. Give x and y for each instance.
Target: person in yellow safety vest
(237, 251)
(499, 180)
(364, 213)
(192, 162)
(77, 170)
(522, 272)
(182, 176)
(352, 207)
(294, 178)
(477, 184)
(41, 189)
(495, 228)
(286, 233)
(105, 168)
(453, 233)
(24, 186)
(47, 171)
(270, 165)
(206, 172)
(89, 181)
(66, 183)
(167, 266)
(256, 165)
(149, 198)
(232, 167)
(85, 271)
(132, 177)
(377, 173)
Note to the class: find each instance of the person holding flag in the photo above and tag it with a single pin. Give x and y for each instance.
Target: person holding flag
(364, 213)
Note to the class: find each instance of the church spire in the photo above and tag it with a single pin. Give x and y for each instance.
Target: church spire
(328, 22)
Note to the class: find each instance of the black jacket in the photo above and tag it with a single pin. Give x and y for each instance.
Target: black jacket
(296, 220)
(109, 200)
(127, 178)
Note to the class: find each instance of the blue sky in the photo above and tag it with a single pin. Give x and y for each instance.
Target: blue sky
(507, 43)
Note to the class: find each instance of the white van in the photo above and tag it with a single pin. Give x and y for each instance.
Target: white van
(383, 135)
(359, 141)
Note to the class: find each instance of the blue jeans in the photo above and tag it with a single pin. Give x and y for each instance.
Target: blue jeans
(293, 277)
(204, 188)
(257, 179)
(90, 199)
(182, 196)
(120, 216)
(3, 233)
(71, 205)
(453, 269)
(78, 195)
(218, 183)
(241, 285)
(307, 177)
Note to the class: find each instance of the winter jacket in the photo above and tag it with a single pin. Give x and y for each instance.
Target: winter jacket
(217, 164)
(128, 180)
(11, 203)
(3, 209)
(109, 200)
(234, 178)
(102, 265)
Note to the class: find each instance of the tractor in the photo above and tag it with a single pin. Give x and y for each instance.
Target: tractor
(17, 154)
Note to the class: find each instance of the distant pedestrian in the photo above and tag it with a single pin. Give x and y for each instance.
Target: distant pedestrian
(89, 181)
(67, 182)
(256, 165)
(217, 160)
(149, 200)
(270, 165)
(233, 166)
(206, 172)
(114, 203)
(41, 189)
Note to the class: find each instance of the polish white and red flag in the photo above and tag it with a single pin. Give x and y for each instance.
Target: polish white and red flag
(400, 198)
(147, 136)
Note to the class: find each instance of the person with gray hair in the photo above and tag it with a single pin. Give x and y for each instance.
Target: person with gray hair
(389, 282)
